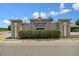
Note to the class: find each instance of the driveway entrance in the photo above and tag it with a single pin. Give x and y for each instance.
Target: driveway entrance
(74, 34)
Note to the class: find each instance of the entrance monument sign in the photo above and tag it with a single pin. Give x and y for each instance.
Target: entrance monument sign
(44, 24)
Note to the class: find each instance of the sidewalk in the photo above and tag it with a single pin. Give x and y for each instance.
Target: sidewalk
(41, 41)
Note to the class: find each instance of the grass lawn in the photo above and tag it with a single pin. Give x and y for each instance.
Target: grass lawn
(2, 37)
(3, 29)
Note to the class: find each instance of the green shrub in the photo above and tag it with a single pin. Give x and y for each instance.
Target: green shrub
(74, 29)
(38, 34)
(3, 29)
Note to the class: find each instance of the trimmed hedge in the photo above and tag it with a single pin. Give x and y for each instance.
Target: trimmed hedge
(74, 29)
(39, 34)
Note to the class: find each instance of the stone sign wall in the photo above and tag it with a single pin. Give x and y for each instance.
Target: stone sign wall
(62, 25)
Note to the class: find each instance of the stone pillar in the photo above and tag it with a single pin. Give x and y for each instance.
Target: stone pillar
(12, 30)
(68, 33)
(16, 26)
(64, 27)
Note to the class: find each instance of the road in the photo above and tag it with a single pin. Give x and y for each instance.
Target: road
(6, 33)
(39, 48)
(54, 49)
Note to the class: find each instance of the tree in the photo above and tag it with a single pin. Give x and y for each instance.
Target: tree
(51, 18)
(77, 22)
(9, 27)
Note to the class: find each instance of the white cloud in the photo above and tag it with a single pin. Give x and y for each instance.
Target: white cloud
(75, 6)
(25, 19)
(43, 15)
(53, 13)
(64, 11)
(60, 12)
(35, 14)
(6, 21)
(62, 6)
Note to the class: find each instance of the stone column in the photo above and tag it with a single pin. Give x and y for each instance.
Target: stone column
(64, 27)
(68, 33)
(12, 30)
(16, 26)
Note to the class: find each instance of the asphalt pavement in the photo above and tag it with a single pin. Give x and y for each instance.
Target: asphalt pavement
(40, 49)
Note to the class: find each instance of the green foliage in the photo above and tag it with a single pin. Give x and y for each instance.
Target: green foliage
(74, 29)
(9, 27)
(39, 34)
(77, 22)
(3, 29)
(51, 18)
(6, 29)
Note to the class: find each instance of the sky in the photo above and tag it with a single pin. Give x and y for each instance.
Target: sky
(26, 11)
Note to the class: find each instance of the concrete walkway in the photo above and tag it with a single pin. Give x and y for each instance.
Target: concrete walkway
(39, 42)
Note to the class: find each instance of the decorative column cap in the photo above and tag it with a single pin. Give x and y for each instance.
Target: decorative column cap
(16, 21)
(64, 20)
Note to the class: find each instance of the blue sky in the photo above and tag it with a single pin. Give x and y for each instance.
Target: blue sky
(33, 10)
